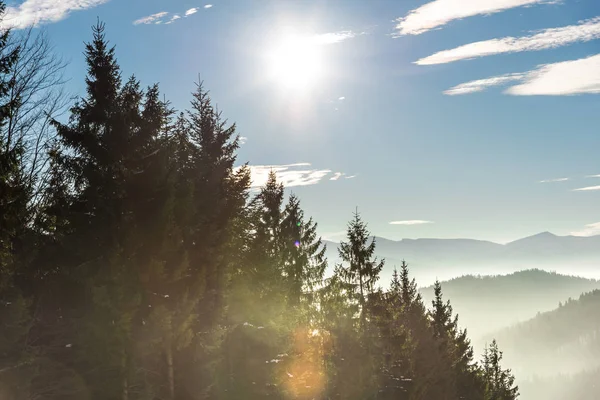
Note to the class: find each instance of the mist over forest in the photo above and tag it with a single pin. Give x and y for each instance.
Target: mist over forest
(138, 262)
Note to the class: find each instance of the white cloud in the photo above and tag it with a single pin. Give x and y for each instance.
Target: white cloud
(411, 222)
(562, 78)
(559, 79)
(341, 98)
(587, 189)
(482, 84)
(333, 37)
(154, 18)
(588, 230)
(191, 11)
(336, 176)
(37, 12)
(208, 6)
(554, 180)
(174, 18)
(440, 12)
(243, 139)
(593, 176)
(545, 39)
(289, 174)
(351, 177)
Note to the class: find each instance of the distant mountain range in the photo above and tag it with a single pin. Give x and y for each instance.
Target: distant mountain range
(448, 258)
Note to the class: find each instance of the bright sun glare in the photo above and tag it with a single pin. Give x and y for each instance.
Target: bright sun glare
(295, 62)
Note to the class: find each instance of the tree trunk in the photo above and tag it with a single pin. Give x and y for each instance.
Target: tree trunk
(170, 371)
(125, 382)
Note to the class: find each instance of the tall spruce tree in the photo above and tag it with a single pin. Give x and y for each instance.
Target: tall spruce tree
(360, 267)
(499, 382)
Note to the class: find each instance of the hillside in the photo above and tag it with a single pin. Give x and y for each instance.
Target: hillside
(488, 303)
(579, 386)
(565, 340)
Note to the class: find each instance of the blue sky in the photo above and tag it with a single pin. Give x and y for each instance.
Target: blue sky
(443, 116)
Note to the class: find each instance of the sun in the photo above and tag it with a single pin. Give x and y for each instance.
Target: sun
(295, 62)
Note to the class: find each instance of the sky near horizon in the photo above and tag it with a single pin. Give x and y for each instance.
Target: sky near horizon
(441, 118)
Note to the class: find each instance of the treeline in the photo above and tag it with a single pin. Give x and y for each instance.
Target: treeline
(137, 264)
(565, 340)
(490, 303)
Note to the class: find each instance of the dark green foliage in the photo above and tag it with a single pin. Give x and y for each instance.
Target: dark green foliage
(149, 272)
(499, 383)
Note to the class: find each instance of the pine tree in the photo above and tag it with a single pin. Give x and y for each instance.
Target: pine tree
(362, 268)
(303, 255)
(455, 348)
(499, 383)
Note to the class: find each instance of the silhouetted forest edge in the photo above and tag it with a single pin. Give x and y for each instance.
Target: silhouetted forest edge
(136, 264)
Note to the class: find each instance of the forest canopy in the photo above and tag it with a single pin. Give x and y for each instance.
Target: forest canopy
(135, 263)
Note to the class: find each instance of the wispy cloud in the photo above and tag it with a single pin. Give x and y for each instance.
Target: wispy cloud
(243, 139)
(587, 189)
(289, 174)
(341, 98)
(411, 222)
(558, 79)
(158, 17)
(151, 18)
(440, 12)
(38, 12)
(351, 176)
(336, 176)
(545, 39)
(593, 176)
(554, 180)
(174, 18)
(333, 37)
(588, 230)
(482, 84)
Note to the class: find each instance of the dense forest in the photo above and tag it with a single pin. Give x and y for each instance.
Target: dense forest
(565, 340)
(135, 263)
(487, 304)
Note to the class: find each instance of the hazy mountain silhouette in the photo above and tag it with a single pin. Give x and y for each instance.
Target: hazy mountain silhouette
(448, 258)
(556, 354)
(565, 340)
(487, 303)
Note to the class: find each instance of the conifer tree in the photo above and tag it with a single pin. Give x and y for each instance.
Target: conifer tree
(499, 382)
(15, 195)
(362, 268)
(303, 254)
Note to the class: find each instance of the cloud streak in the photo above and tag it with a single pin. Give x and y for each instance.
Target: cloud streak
(482, 84)
(333, 37)
(191, 11)
(411, 222)
(546, 39)
(154, 18)
(564, 78)
(587, 189)
(554, 180)
(38, 12)
(440, 12)
(290, 175)
(588, 230)
(336, 176)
